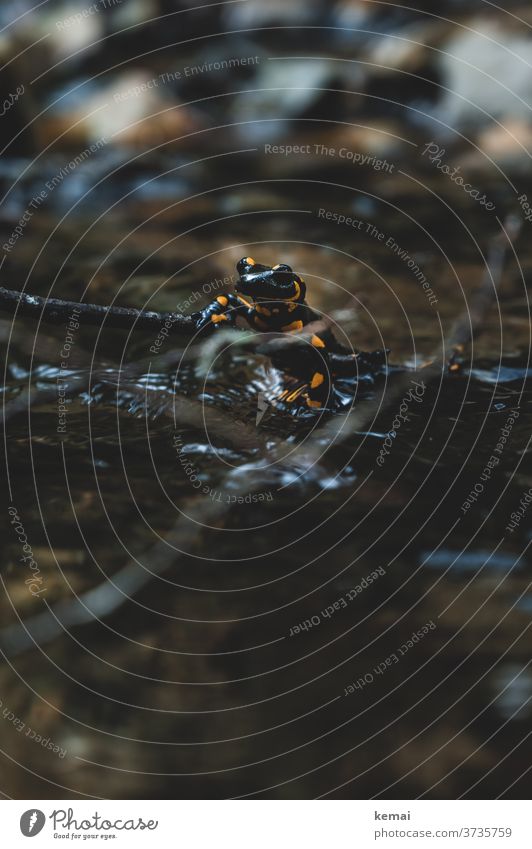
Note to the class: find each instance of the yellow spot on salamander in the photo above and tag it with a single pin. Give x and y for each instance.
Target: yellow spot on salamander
(317, 342)
(250, 260)
(317, 380)
(222, 300)
(311, 403)
(297, 292)
(243, 301)
(263, 310)
(295, 325)
(216, 318)
(296, 394)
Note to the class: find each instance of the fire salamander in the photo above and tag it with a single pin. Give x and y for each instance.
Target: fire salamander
(272, 299)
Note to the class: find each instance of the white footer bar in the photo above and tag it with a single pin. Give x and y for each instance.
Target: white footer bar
(265, 824)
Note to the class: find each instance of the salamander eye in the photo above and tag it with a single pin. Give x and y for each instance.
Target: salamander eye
(245, 264)
(283, 274)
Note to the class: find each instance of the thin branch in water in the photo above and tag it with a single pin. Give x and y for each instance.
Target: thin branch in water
(58, 311)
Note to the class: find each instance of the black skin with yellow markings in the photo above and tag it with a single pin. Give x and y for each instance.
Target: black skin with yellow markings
(272, 299)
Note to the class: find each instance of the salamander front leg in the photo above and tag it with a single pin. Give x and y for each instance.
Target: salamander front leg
(222, 312)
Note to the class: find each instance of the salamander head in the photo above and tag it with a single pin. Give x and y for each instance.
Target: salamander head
(269, 283)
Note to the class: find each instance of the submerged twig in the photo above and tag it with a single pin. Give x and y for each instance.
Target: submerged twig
(58, 311)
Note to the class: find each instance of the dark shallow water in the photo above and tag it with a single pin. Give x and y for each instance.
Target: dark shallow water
(195, 686)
